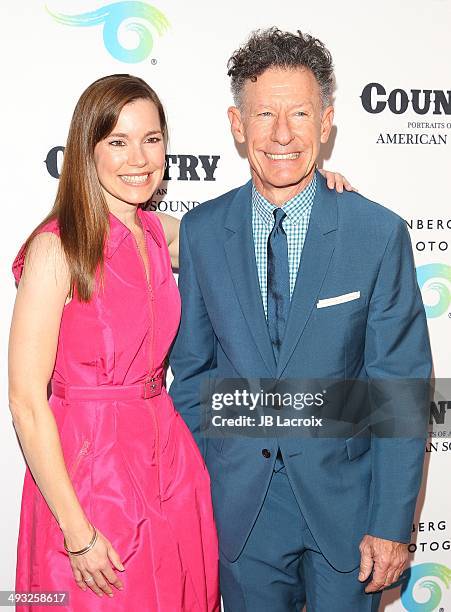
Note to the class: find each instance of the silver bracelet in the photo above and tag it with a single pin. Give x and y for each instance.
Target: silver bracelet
(83, 550)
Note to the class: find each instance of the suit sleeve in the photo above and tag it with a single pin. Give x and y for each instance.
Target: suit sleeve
(193, 355)
(398, 364)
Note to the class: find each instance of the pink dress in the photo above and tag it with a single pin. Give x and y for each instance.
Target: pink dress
(134, 465)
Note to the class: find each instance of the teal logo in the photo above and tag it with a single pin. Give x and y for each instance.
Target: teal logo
(112, 16)
(435, 278)
(418, 579)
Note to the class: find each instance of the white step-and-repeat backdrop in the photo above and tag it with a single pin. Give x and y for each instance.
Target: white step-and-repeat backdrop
(392, 139)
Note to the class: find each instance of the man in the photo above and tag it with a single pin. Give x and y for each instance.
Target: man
(323, 519)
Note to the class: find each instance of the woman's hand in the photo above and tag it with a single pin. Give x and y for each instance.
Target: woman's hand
(93, 569)
(337, 181)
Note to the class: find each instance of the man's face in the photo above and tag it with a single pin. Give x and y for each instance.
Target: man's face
(282, 124)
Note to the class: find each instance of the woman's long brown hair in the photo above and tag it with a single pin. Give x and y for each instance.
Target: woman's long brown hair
(80, 207)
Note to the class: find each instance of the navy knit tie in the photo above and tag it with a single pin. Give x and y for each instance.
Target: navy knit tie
(278, 282)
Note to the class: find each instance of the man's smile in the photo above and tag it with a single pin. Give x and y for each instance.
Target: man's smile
(282, 156)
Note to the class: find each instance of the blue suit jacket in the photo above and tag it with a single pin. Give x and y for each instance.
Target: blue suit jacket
(345, 487)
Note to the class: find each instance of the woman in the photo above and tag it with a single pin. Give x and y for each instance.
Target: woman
(112, 469)
(115, 488)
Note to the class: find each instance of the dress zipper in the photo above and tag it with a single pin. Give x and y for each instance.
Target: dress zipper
(149, 380)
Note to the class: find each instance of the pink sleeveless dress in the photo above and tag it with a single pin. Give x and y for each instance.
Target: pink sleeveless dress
(135, 467)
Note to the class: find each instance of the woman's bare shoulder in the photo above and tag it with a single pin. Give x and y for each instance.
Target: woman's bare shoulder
(44, 256)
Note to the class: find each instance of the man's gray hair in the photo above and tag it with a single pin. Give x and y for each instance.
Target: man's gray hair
(272, 48)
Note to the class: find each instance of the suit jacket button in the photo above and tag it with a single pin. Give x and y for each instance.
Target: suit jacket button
(266, 453)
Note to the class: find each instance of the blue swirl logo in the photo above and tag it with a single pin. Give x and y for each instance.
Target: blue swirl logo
(112, 16)
(419, 578)
(435, 278)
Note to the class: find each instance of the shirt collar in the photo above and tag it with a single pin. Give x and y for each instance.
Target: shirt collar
(119, 231)
(295, 208)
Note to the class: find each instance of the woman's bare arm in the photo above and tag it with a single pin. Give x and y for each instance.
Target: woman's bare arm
(171, 226)
(40, 300)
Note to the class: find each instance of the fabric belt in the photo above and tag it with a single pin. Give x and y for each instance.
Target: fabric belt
(146, 389)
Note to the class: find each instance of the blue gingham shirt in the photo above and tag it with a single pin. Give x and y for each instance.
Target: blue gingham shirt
(295, 224)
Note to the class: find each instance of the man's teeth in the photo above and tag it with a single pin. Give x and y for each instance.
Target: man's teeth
(135, 180)
(283, 156)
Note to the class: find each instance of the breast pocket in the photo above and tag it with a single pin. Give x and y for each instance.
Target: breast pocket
(340, 305)
(338, 331)
(336, 320)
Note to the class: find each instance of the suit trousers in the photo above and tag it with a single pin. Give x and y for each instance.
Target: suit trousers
(281, 567)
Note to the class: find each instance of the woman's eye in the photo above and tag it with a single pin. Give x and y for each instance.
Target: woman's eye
(117, 143)
(153, 139)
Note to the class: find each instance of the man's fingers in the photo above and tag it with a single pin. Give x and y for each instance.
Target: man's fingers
(366, 565)
(396, 574)
(390, 577)
(379, 576)
(374, 586)
(388, 558)
(384, 576)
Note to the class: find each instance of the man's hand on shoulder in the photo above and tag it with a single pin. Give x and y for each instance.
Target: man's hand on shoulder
(385, 558)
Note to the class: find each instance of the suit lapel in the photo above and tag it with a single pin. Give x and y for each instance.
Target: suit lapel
(316, 255)
(240, 255)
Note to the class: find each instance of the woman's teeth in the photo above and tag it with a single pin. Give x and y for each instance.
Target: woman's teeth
(135, 180)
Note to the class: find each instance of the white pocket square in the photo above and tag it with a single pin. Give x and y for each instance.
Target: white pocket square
(339, 299)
